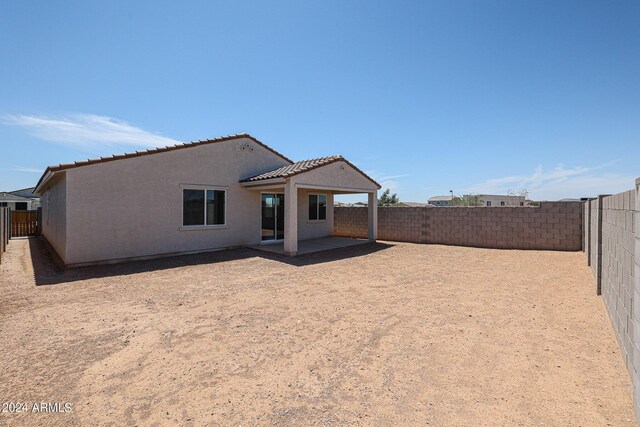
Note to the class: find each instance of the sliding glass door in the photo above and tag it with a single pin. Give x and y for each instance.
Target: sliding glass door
(272, 216)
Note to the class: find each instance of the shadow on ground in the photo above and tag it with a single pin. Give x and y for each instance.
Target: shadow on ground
(49, 270)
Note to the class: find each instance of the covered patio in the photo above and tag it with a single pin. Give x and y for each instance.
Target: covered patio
(297, 203)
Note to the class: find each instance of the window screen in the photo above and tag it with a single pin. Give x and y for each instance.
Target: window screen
(192, 207)
(215, 207)
(313, 207)
(322, 206)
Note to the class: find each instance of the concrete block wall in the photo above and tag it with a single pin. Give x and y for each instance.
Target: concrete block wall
(350, 222)
(635, 308)
(612, 249)
(617, 263)
(553, 225)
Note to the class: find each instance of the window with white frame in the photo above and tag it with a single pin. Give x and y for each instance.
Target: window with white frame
(317, 207)
(203, 207)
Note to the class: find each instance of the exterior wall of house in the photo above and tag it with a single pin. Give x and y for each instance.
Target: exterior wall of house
(493, 200)
(54, 214)
(12, 205)
(313, 229)
(132, 207)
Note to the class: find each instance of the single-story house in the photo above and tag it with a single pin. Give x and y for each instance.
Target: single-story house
(440, 200)
(503, 200)
(29, 194)
(200, 196)
(16, 203)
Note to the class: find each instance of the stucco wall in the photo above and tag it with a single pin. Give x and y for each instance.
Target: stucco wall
(54, 214)
(313, 229)
(133, 207)
(553, 225)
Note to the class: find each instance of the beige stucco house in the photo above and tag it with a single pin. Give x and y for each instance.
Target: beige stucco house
(194, 197)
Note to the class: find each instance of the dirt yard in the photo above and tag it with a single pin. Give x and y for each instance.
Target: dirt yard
(377, 334)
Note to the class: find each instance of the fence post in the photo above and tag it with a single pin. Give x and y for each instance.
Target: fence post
(599, 245)
(587, 231)
(1, 233)
(39, 221)
(635, 304)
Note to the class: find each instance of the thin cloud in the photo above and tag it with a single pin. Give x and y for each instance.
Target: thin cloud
(23, 169)
(88, 131)
(559, 182)
(387, 181)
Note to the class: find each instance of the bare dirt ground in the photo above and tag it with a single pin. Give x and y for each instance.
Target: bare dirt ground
(377, 334)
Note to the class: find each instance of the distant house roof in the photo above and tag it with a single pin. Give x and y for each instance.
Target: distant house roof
(414, 204)
(8, 197)
(304, 166)
(25, 192)
(440, 199)
(64, 166)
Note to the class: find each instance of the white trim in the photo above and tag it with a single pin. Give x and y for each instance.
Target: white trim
(335, 188)
(203, 187)
(203, 227)
(187, 186)
(263, 182)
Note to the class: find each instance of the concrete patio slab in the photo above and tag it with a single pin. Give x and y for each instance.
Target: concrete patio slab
(314, 245)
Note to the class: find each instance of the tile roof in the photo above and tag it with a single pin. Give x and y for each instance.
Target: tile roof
(440, 198)
(304, 166)
(64, 166)
(4, 196)
(25, 192)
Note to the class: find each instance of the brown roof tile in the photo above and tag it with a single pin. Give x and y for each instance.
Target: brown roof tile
(64, 166)
(304, 166)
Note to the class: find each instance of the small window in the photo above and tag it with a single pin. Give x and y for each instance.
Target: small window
(21, 206)
(501, 203)
(203, 207)
(488, 203)
(317, 207)
(3, 204)
(521, 203)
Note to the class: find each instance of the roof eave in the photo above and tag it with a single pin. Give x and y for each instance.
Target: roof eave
(46, 176)
(262, 182)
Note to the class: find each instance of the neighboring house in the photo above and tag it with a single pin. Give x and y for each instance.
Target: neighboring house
(493, 200)
(16, 203)
(29, 194)
(489, 200)
(414, 204)
(200, 196)
(440, 200)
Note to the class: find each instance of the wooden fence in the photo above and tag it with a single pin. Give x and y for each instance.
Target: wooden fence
(24, 223)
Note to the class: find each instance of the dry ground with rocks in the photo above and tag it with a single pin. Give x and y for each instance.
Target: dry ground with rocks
(376, 334)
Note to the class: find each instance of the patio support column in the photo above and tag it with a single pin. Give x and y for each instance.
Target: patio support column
(290, 219)
(372, 207)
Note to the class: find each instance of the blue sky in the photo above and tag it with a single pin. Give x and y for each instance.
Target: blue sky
(426, 96)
